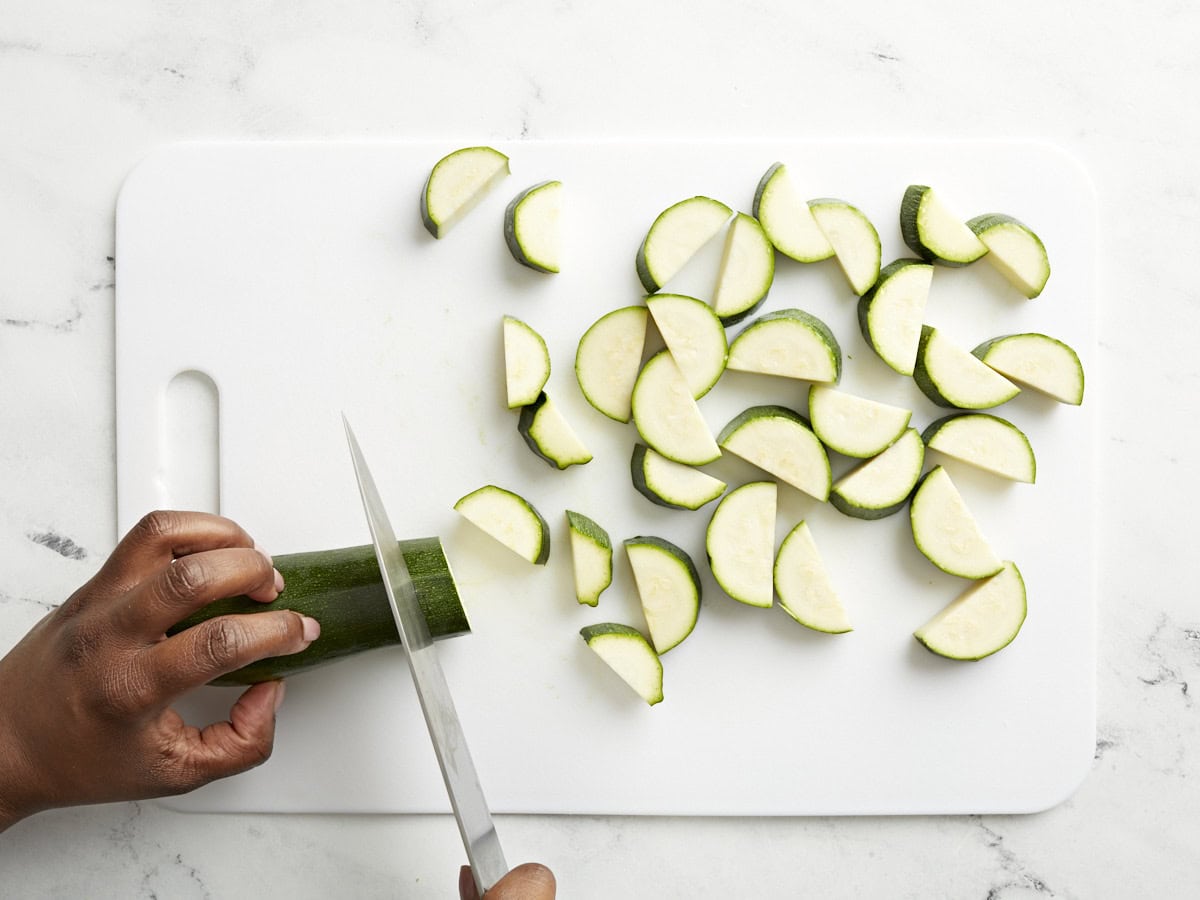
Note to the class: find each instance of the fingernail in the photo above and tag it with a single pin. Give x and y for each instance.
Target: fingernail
(466, 884)
(278, 582)
(280, 690)
(266, 555)
(312, 628)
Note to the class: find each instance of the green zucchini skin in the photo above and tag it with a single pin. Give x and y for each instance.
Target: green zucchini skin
(342, 589)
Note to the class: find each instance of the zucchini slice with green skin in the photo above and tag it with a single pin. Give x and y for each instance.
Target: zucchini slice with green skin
(1016, 252)
(854, 426)
(881, 486)
(666, 415)
(951, 376)
(780, 441)
(854, 238)
(933, 232)
(609, 358)
(802, 582)
(343, 590)
(787, 220)
(790, 343)
(985, 618)
(532, 227)
(510, 519)
(675, 236)
(526, 363)
(627, 652)
(746, 272)
(695, 337)
(457, 183)
(674, 485)
(550, 435)
(1036, 361)
(986, 442)
(891, 313)
(945, 531)
(740, 543)
(591, 557)
(668, 585)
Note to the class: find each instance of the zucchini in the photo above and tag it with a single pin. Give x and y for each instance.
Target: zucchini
(1036, 361)
(667, 483)
(986, 442)
(510, 519)
(1016, 252)
(456, 184)
(933, 232)
(669, 588)
(343, 590)
(675, 236)
(550, 435)
(780, 441)
(854, 426)
(802, 582)
(985, 618)
(531, 227)
(740, 543)
(787, 220)
(626, 651)
(945, 531)
(891, 313)
(591, 557)
(790, 343)
(609, 358)
(950, 376)
(526, 363)
(746, 272)
(667, 416)
(695, 337)
(881, 486)
(854, 238)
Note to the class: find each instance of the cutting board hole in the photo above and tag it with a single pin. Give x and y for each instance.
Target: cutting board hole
(192, 443)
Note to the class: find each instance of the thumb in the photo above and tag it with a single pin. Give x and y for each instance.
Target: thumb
(528, 881)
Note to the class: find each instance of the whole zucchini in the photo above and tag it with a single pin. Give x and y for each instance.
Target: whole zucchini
(342, 589)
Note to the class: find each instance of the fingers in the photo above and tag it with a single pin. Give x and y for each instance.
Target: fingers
(197, 655)
(165, 535)
(528, 881)
(231, 747)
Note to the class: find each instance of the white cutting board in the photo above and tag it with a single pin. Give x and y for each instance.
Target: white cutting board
(299, 278)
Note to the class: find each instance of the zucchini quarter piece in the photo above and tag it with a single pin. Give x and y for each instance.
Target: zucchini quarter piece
(1016, 252)
(457, 183)
(747, 270)
(627, 652)
(891, 313)
(852, 425)
(1036, 361)
(933, 232)
(986, 442)
(591, 556)
(675, 237)
(669, 588)
(881, 486)
(695, 337)
(667, 483)
(532, 227)
(526, 363)
(510, 519)
(740, 543)
(985, 618)
(855, 241)
(945, 531)
(778, 440)
(550, 435)
(802, 582)
(950, 376)
(609, 358)
(790, 343)
(667, 416)
(787, 220)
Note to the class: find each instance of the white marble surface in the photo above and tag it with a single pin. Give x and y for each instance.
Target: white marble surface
(87, 89)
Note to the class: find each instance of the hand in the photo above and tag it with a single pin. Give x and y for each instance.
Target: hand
(529, 881)
(85, 697)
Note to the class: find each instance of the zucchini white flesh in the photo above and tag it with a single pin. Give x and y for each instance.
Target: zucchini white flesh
(881, 486)
(787, 220)
(1036, 361)
(609, 358)
(532, 227)
(790, 343)
(852, 425)
(591, 558)
(779, 441)
(666, 415)
(986, 442)
(854, 238)
(747, 270)
(945, 531)
(1016, 252)
(695, 337)
(675, 237)
(668, 483)
(627, 652)
(669, 588)
(510, 519)
(933, 232)
(985, 618)
(740, 543)
(805, 590)
(457, 183)
(526, 363)
(550, 435)
(950, 376)
(891, 313)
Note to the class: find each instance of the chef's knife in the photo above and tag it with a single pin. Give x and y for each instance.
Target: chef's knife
(462, 783)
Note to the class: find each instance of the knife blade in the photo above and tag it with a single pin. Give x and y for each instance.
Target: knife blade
(450, 746)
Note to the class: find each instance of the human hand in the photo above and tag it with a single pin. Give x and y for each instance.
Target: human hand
(528, 881)
(85, 697)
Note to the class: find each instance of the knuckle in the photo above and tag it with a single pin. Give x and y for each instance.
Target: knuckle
(157, 524)
(82, 642)
(185, 578)
(220, 644)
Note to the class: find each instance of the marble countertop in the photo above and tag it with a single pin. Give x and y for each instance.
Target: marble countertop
(86, 90)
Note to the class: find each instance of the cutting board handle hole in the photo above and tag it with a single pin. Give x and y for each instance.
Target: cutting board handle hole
(191, 443)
